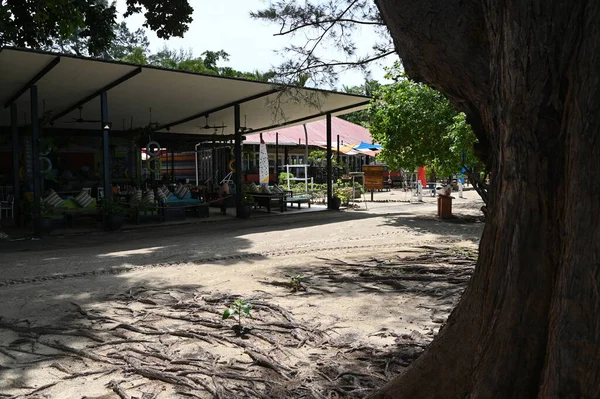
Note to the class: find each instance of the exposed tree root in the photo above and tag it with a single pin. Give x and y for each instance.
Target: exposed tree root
(177, 339)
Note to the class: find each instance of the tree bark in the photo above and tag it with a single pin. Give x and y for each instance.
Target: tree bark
(527, 75)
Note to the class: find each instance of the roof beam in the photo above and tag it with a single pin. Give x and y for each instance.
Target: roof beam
(97, 93)
(185, 136)
(32, 81)
(217, 109)
(306, 118)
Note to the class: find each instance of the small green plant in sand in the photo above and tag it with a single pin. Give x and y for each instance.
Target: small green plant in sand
(297, 282)
(462, 252)
(240, 308)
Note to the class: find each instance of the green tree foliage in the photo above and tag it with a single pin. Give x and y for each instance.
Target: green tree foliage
(418, 126)
(137, 56)
(317, 157)
(43, 23)
(185, 60)
(369, 88)
(124, 43)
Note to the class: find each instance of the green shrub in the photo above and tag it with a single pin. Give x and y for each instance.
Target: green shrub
(283, 176)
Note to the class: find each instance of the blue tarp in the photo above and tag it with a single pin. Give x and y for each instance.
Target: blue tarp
(367, 146)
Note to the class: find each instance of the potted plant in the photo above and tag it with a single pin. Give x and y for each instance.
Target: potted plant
(113, 212)
(336, 202)
(45, 211)
(247, 203)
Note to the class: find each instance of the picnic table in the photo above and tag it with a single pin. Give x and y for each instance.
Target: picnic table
(266, 200)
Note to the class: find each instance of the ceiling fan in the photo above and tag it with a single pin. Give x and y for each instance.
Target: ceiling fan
(152, 125)
(207, 126)
(245, 128)
(81, 120)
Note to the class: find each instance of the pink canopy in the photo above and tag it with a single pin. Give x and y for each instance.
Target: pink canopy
(350, 134)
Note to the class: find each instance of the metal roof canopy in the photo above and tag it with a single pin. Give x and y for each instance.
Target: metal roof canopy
(173, 101)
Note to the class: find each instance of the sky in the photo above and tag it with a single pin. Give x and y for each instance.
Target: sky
(226, 25)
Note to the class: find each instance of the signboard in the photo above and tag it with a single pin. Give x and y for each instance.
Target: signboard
(373, 176)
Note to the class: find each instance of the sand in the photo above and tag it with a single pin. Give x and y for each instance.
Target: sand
(139, 313)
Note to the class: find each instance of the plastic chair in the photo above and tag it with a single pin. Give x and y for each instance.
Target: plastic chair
(8, 206)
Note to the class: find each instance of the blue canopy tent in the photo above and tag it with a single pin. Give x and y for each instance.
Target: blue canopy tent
(367, 146)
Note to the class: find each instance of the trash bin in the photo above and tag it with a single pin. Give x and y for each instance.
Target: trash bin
(445, 206)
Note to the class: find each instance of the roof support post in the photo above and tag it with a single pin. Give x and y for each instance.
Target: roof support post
(277, 157)
(329, 164)
(238, 161)
(173, 165)
(15, 161)
(35, 156)
(338, 150)
(196, 162)
(105, 146)
(213, 168)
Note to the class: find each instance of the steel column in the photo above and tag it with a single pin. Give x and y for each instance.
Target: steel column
(35, 163)
(15, 159)
(196, 164)
(338, 150)
(329, 164)
(105, 146)
(277, 157)
(173, 166)
(213, 165)
(238, 160)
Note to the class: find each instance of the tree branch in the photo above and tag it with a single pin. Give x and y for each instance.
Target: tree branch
(333, 20)
(343, 63)
(325, 32)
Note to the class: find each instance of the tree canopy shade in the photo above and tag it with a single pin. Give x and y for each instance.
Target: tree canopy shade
(123, 44)
(418, 126)
(39, 23)
(525, 74)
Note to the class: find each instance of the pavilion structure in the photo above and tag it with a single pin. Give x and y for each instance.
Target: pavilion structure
(43, 93)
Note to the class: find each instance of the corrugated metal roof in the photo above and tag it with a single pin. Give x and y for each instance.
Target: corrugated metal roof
(350, 135)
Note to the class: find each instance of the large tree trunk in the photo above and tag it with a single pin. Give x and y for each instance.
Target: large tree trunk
(527, 73)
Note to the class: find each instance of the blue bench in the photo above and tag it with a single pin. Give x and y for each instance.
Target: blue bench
(298, 200)
(197, 207)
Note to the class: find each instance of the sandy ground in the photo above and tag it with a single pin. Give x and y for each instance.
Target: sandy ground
(138, 314)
